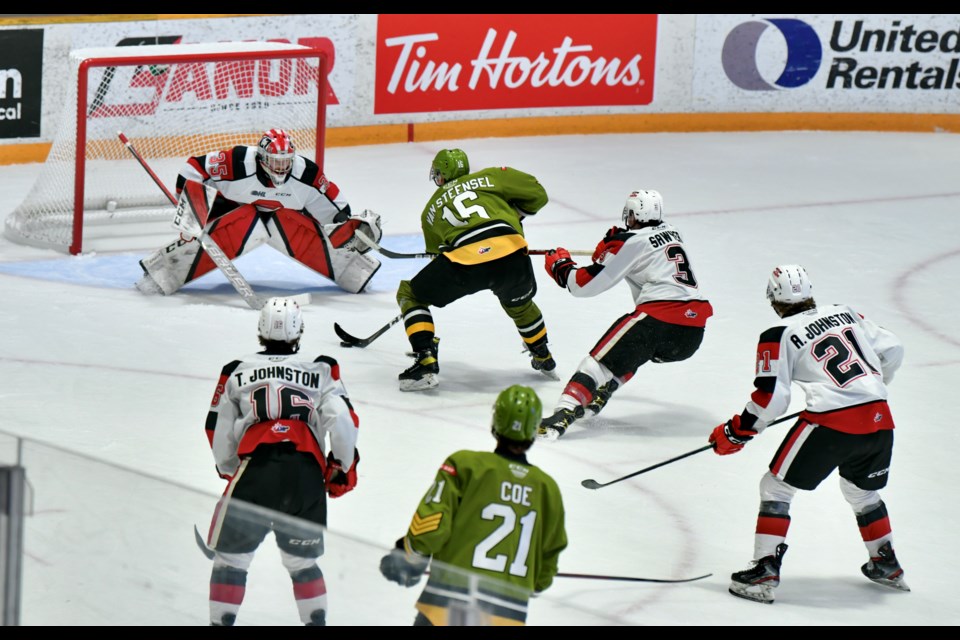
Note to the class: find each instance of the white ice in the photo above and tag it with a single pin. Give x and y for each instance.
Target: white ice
(109, 389)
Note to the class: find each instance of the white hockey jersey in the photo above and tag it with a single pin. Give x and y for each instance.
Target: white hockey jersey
(841, 360)
(269, 398)
(234, 174)
(655, 264)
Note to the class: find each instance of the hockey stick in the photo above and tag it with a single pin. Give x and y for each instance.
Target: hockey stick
(593, 484)
(370, 242)
(590, 576)
(192, 223)
(348, 340)
(207, 551)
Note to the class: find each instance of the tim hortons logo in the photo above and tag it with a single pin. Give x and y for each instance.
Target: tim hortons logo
(566, 65)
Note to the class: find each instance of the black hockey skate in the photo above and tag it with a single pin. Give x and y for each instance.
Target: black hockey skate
(556, 425)
(541, 360)
(423, 374)
(885, 569)
(601, 397)
(758, 582)
(318, 618)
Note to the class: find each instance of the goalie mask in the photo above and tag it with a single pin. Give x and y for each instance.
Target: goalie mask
(275, 154)
(517, 413)
(281, 320)
(645, 207)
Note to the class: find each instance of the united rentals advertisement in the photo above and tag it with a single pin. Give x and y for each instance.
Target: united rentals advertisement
(21, 66)
(824, 63)
(436, 63)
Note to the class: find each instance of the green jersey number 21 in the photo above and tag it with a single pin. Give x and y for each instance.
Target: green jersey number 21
(481, 557)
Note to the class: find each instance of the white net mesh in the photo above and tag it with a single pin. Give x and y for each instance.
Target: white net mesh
(172, 102)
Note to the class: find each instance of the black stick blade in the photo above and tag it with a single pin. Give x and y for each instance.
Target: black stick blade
(591, 484)
(347, 340)
(207, 551)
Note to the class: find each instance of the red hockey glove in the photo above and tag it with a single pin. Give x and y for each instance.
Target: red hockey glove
(559, 264)
(730, 437)
(339, 481)
(609, 243)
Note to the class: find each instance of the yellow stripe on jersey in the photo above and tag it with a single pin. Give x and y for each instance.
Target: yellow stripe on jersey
(419, 526)
(487, 250)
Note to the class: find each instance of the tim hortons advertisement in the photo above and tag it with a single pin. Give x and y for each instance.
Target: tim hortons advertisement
(431, 63)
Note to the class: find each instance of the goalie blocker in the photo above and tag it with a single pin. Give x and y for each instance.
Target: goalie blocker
(330, 250)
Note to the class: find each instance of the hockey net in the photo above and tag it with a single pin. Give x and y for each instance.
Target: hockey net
(172, 102)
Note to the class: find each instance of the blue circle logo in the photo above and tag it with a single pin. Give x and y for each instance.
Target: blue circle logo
(804, 54)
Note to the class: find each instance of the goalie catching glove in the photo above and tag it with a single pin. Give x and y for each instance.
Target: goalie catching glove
(559, 264)
(342, 231)
(339, 481)
(402, 567)
(730, 437)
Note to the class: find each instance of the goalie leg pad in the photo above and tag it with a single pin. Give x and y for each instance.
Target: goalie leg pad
(300, 238)
(236, 233)
(352, 270)
(169, 266)
(182, 260)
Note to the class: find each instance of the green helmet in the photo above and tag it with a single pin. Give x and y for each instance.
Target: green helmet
(517, 413)
(449, 164)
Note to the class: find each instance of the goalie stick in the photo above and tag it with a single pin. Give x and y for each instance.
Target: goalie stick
(192, 222)
(210, 553)
(370, 242)
(593, 484)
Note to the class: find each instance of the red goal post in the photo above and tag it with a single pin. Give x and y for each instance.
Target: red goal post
(172, 102)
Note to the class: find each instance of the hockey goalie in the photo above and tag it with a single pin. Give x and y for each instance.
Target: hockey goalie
(268, 194)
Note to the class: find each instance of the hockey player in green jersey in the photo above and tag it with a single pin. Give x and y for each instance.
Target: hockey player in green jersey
(473, 223)
(492, 523)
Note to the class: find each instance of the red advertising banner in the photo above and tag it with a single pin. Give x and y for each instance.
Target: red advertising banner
(436, 62)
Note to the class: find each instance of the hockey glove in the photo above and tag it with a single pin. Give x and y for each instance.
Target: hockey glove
(339, 481)
(342, 231)
(403, 568)
(610, 243)
(559, 264)
(730, 437)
